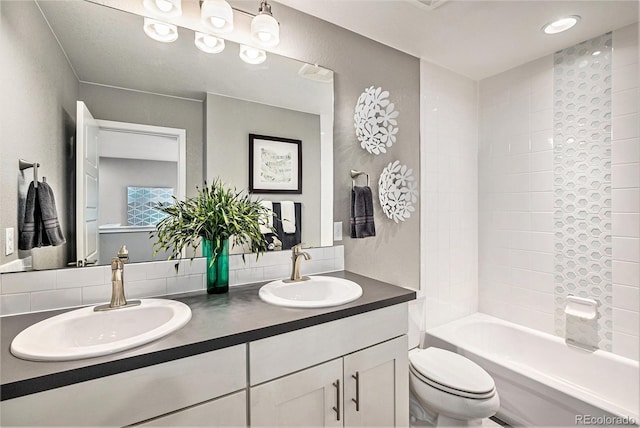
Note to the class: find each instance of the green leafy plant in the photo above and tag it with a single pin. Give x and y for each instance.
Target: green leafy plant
(216, 213)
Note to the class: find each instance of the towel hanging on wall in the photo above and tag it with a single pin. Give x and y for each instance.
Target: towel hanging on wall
(288, 215)
(362, 223)
(41, 227)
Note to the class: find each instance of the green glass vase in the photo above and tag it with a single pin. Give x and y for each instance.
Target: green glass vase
(217, 267)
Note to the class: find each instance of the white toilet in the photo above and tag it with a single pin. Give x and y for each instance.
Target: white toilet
(449, 389)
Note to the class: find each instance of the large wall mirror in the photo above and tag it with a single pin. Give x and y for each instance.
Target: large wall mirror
(159, 118)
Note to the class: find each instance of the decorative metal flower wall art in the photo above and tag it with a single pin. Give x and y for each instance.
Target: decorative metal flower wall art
(397, 191)
(375, 120)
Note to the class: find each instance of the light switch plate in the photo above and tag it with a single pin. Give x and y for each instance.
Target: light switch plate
(9, 244)
(337, 231)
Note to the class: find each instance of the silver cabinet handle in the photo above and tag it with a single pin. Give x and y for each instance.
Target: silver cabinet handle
(357, 399)
(336, 408)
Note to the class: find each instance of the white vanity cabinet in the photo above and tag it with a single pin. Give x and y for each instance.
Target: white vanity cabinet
(134, 396)
(350, 372)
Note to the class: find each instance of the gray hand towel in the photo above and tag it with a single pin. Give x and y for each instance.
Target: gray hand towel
(28, 237)
(41, 227)
(362, 224)
(52, 233)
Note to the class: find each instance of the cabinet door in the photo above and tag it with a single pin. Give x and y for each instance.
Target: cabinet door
(229, 411)
(376, 385)
(311, 397)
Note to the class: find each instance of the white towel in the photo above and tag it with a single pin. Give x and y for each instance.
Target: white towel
(288, 214)
(266, 222)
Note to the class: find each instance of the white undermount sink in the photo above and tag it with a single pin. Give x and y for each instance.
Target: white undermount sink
(316, 292)
(84, 333)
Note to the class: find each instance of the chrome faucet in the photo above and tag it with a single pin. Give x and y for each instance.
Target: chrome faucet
(117, 284)
(296, 255)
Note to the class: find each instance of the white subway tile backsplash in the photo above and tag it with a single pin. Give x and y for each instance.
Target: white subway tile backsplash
(24, 282)
(54, 299)
(625, 42)
(542, 140)
(147, 288)
(29, 291)
(183, 284)
(97, 294)
(15, 303)
(247, 276)
(541, 181)
(165, 269)
(81, 277)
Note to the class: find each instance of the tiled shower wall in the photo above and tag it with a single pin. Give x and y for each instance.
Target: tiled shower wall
(516, 201)
(53, 289)
(449, 223)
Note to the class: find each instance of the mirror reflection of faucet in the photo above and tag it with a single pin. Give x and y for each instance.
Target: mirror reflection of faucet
(296, 256)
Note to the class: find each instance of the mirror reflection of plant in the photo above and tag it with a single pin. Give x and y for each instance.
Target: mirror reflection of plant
(216, 213)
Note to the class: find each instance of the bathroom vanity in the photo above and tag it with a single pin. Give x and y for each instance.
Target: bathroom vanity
(238, 362)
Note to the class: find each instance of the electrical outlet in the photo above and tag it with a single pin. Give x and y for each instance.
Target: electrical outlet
(8, 241)
(337, 231)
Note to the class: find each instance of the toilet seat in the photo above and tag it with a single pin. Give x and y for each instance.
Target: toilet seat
(451, 373)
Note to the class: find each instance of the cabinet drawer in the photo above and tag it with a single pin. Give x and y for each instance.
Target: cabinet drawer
(289, 352)
(133, 396)
(229, 411)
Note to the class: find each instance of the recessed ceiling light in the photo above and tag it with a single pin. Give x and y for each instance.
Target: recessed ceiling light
(160, 31)
(560, 25)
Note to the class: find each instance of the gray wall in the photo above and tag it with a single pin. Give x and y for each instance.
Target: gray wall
(42, 89)
(149, 109)
(117, 174)
(229, 123)
(394, 254)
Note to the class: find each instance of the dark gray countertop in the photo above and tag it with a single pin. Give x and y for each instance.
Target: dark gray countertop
(217, 321)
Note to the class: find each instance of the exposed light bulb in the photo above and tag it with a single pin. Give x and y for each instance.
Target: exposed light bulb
(164, 5)
(164, 8)
(160, 31)
(217, 22)
(251, 55)
(208, 43)
(265, 37)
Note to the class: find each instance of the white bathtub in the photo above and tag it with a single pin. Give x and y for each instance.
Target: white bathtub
(542, 381)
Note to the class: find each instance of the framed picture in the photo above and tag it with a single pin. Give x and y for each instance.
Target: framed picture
(275, 164)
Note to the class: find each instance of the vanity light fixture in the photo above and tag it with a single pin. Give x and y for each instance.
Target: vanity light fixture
(252, 55)
(217, 16)
(164, 8)
(160, 31)
(265, 30)
(560, 25)
(208, 43)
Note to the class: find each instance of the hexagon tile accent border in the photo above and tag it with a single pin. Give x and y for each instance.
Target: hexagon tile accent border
(582, 186)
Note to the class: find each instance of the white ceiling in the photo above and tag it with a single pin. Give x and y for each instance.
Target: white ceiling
(475, 38)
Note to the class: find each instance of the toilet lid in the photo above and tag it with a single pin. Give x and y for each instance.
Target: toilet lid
(451, 370)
